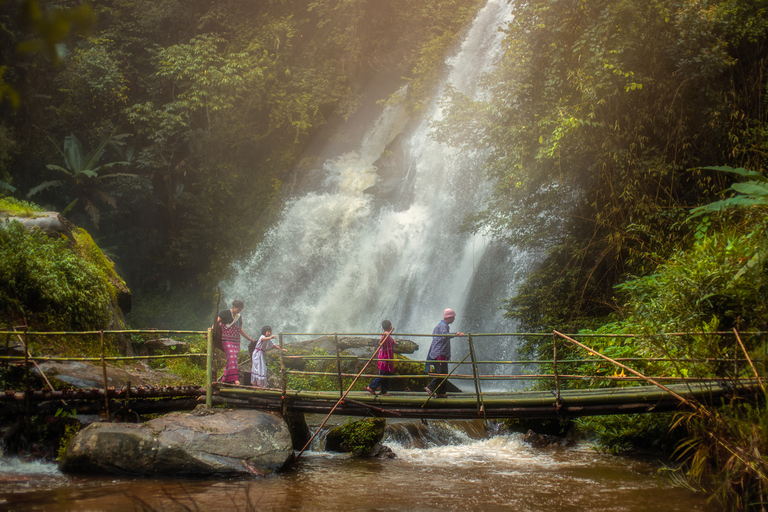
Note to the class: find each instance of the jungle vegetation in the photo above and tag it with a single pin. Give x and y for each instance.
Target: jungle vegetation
(200, 116)
(627, 143)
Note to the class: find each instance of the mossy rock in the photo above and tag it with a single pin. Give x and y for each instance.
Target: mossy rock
(358, 437)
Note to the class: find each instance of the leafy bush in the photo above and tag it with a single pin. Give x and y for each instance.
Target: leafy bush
(19, 208)
(49, 284)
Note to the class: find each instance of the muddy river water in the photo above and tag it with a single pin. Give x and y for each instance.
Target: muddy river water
(444, 466)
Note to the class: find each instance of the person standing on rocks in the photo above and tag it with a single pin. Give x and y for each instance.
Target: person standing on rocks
(387, 351)
(231, 330)
(440, 353)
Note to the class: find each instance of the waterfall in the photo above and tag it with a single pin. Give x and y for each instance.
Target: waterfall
(378, 236)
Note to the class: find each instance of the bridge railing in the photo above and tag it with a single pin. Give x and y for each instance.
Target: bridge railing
(479, 370)
(479, 373)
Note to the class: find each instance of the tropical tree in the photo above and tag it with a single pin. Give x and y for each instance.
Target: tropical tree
(84, 175)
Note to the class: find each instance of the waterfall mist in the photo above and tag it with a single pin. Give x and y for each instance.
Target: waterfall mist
(378, 235)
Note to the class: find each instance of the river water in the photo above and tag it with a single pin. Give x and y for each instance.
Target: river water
(447, 465)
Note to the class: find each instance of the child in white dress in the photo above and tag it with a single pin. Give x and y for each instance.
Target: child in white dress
(258, 361)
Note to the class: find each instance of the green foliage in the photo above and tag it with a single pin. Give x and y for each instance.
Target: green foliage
(19, 208)
(311, 382)
(596, 111)
(83, 174)
(70, 430)
(184, 370)
(49, 284)
(626, 433)
(723, 276)
(52, 26)
(94, 83)
(725, 452)
(750, 193)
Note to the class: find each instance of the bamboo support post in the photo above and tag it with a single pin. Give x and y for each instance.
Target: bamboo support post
(754, 370)
(209, 369)
(7, 346)
(283, 376)
(338, 364)
(554, 370)
(476, 378)
(28, 393)
(106, 381)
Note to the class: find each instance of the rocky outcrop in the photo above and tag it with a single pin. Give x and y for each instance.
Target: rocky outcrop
(544, 440)
(50, 223)
(354, 345)
(207, 442)
(81, 375)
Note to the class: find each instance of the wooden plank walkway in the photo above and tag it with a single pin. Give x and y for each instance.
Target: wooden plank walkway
(491, 405)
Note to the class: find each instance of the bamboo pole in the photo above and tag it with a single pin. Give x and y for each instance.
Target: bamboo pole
(475, 374)
(383, 339)
(283, 377)
(338, 364)
(371, 407)
(106, 381)
(99, 359)
(444, 379)
(28, 393)
(594, 352)
(28, 357)
(7, 346)
(558, 401)
(209, 369)
(757, 376)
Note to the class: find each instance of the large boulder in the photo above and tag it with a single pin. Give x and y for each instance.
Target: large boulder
(83, 375)
(205, 443)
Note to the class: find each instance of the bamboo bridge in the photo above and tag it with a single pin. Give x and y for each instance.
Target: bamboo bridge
(552, 396)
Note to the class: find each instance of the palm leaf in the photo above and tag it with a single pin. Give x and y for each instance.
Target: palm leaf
(73, 153)
(92, 158)
(751, 188)
(69, 207)
(56, 146)
(740, 171)
(112, 164)
(44, 185)
(54, 167)
(118, 175)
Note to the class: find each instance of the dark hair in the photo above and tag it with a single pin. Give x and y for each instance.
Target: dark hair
(386, 325)
(238, 304)
(266, 329)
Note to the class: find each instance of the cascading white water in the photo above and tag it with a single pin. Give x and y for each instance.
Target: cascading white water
(341, 259)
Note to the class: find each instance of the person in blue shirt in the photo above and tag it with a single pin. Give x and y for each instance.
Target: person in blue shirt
(440, 352)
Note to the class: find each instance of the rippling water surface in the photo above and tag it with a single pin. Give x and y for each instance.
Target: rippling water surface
(470, 472)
